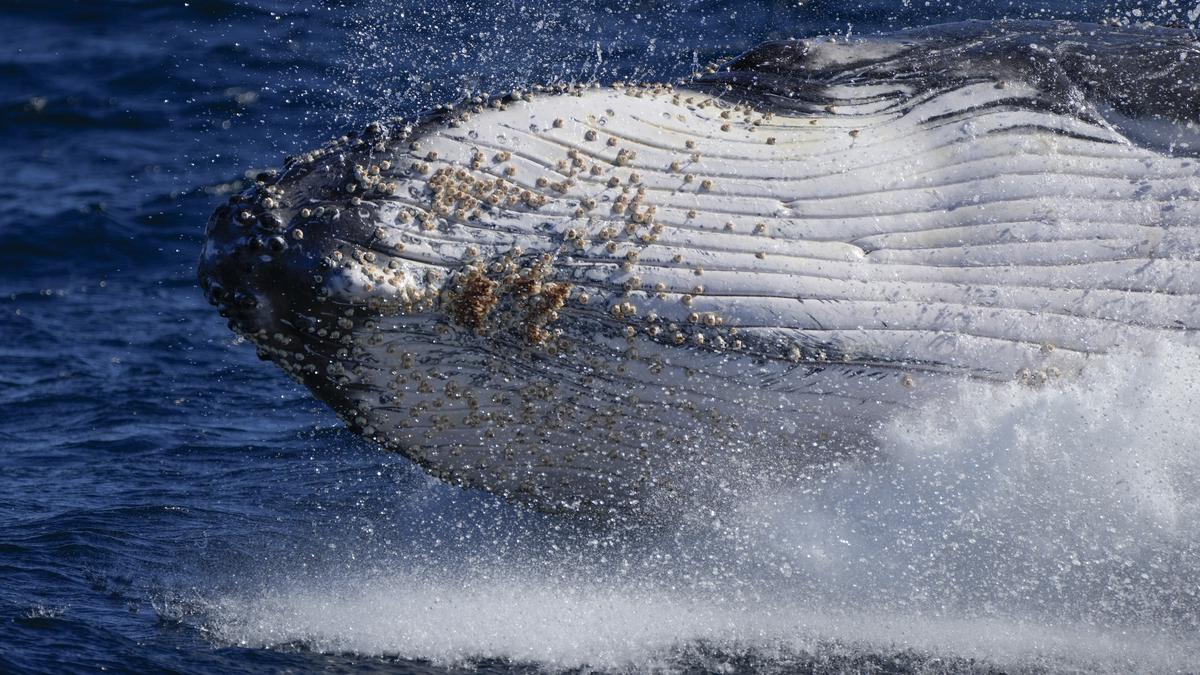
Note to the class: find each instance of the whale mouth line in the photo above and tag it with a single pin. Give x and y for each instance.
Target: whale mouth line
(583, 298)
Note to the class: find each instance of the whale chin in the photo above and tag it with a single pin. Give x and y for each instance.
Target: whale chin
(605, 299)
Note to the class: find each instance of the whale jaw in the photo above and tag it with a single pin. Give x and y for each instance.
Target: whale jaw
(472, 341)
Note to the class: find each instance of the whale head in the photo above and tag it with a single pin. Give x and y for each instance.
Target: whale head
(307, 260)
(586, 297)
(456, 303)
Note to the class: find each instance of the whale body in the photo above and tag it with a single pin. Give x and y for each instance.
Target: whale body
(604, 298)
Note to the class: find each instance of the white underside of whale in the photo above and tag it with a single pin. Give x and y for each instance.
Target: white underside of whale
(782, 283)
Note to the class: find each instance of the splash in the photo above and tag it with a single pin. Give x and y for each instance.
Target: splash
(616, 628)
(1077, 501)
(1051, 527)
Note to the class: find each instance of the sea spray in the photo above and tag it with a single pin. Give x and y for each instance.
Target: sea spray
(1024, 526)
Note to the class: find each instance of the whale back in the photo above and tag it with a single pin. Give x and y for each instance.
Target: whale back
(1094, 72)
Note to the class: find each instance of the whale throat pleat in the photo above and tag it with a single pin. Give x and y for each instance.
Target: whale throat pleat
(576, 296)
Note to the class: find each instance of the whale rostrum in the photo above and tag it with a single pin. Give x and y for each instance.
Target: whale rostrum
(605, 298)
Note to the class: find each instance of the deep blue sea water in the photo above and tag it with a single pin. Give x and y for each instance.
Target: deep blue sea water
(170, 503)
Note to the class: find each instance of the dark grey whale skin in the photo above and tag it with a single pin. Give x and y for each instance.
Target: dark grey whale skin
(1142, 73)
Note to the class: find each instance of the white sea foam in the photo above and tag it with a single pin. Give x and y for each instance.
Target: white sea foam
(1053, 526)
(626, 628)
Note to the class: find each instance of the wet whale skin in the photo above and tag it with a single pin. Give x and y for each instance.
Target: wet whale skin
(605, 298)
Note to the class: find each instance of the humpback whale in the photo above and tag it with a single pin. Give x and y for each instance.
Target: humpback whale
(599, 299)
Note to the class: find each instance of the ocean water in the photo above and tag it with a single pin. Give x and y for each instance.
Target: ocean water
(169, 503)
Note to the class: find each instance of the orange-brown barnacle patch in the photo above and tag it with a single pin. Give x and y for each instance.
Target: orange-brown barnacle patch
(473, 300)
(550, 300)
